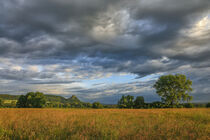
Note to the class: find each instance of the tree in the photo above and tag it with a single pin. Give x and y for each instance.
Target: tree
(157, 104)
(97, 105)
(1, 102)
(87, 105)
(188, 105)
(139, 102)
(32, 100)
(173, 88)
(21, 103)
(208, 105)
(126, 102)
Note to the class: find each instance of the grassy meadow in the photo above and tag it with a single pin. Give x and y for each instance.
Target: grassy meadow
(55, 124)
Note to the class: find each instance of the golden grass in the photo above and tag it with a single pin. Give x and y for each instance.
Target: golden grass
(55, 124)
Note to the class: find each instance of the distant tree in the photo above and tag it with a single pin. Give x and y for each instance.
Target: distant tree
(56, 104)
(87, 105)
(139, 102)
(147, 105)
(199, 105)
(126, 102)
(67, 105)
(157, 104)
(21, 103)
(48, 104)
(208, 105)
(1, 102)
(32, 100)
(181, 105)
(188, 105)
(97, 105)
(173, 88)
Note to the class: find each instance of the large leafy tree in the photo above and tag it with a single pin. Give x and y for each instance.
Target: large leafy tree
(173, 88)
(139, 102)
(126, 102)
(21, 101)
(32, 100)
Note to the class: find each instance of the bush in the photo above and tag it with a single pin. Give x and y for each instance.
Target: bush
(208, 105)
(188, 105)
(97, 105)
(157, 104)
(1, 102)
(180, 106)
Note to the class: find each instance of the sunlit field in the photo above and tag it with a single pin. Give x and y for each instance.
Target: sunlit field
(55, 124)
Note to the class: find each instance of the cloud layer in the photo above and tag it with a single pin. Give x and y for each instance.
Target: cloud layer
(58, 46)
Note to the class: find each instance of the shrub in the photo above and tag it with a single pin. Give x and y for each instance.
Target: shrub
(97, 105)
(208, 105)
(188, 105)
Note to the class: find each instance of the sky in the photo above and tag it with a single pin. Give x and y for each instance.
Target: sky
(100, 50)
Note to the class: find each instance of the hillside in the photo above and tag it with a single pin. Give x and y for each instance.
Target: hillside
(55, 98)
(73, 98)
(49, 98)
(9, 97)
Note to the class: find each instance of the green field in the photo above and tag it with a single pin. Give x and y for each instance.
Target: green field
(9, 101)
(56, 124)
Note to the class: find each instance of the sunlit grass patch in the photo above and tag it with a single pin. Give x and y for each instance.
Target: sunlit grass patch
(55, 124)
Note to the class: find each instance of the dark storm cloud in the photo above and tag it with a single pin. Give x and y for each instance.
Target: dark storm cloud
(22, 75)
(62, 28)
(95, 37)
(173, 15)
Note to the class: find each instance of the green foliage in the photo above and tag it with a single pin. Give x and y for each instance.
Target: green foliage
(73, 98)
(32, 100)
(1, 102)
(87, 105)
(208, 105)
(61, 102)
(97, 105)
(173, 88)
(9, 103)
(188, 105)
(55, 98)
(22, 102)
(126, 102)
(139, 102)
(199, 105)
(157, 104)
(9, 97)
(77, 105)
(110, 106)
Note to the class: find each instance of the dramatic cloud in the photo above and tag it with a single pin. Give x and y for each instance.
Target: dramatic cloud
(85, 47)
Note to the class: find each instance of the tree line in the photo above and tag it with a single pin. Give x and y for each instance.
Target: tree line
(174, 91)
(38, 100)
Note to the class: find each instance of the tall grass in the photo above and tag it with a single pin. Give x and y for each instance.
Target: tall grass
(55, 124)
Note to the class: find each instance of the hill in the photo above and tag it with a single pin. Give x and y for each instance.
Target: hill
(9, 97)
(73, 98)
(49, 98)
